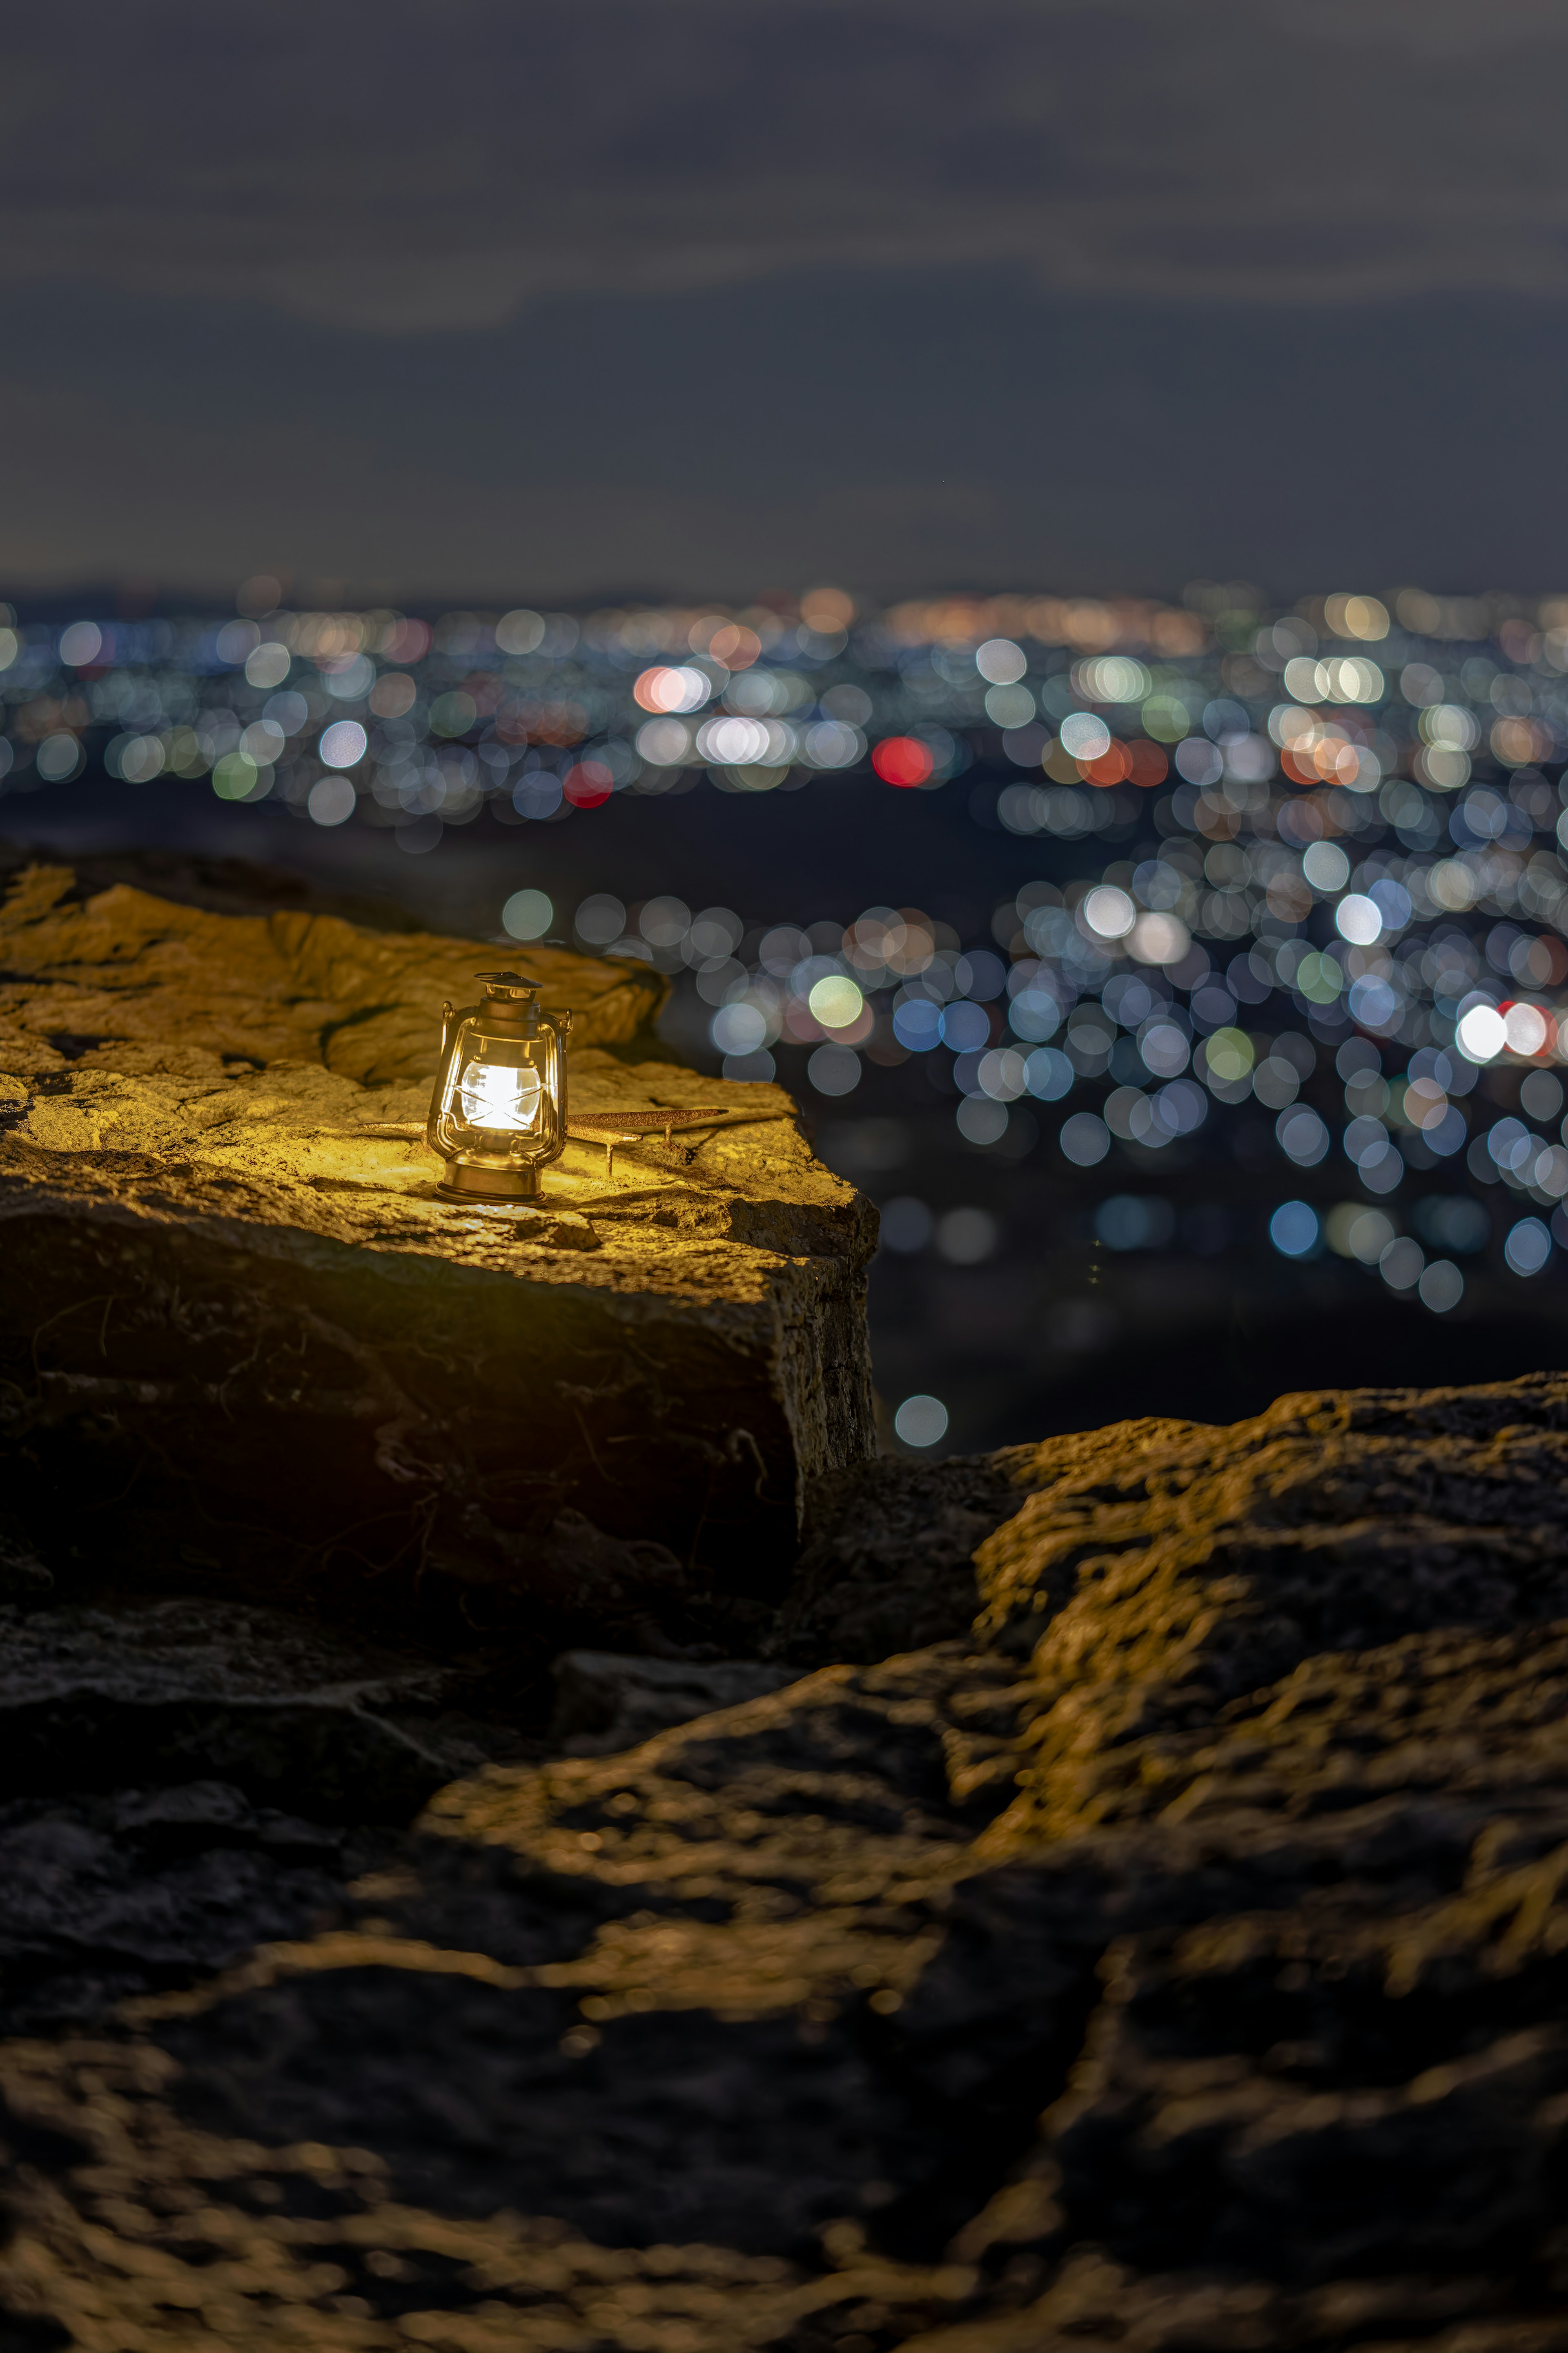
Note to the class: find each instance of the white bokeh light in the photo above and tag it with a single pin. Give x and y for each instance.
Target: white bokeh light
(672, 689)
(1482, 1034)
(343, 744)
(1085, 737)
(1357, 919)
(1526, 1028)
(1109, 912)
(526, 915)
(922, 1420)
(1001, 662)
(331, 800)
(1325, 866)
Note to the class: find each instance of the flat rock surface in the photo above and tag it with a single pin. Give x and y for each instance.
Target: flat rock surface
(1176, 1960)
(576, 1418)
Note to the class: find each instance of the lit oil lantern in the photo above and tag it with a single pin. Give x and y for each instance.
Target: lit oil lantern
(497, 1115)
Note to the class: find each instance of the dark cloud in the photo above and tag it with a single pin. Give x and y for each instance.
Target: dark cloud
(559, 298)
(410, 167)
(862, 425)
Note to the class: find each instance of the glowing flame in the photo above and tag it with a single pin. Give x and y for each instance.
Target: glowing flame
(493, 1097)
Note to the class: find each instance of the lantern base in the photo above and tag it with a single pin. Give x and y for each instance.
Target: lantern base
(464, 1182)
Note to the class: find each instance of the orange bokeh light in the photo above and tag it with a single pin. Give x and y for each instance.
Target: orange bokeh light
(735, 646)
(1111, 766)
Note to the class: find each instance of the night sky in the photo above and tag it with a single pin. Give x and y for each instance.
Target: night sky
(500, 301)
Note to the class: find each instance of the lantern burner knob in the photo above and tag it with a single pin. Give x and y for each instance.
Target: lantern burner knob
(507, 984)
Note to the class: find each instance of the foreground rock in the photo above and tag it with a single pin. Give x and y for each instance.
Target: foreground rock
(260, 1340)
(604, 1703)
(1177, 1960)
(190, 1690)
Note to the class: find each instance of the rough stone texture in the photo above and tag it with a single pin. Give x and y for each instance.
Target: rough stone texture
(189, 1690)
(224, 886)
(887, 1548)
(604, 1701)
(1179, 1961)
(85, 974)
(129, 1891)
(268, 1349)
(1170, 1568)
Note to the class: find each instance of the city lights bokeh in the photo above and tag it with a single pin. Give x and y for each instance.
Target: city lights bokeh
(1296, 903)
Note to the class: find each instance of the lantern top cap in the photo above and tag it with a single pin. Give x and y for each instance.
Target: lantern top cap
(507, 984)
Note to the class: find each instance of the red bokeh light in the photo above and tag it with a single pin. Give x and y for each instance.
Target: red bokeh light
(1149, 765)
(902, 760)
(588, 783)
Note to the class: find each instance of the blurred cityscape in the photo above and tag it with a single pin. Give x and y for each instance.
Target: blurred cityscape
(1183, 980)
